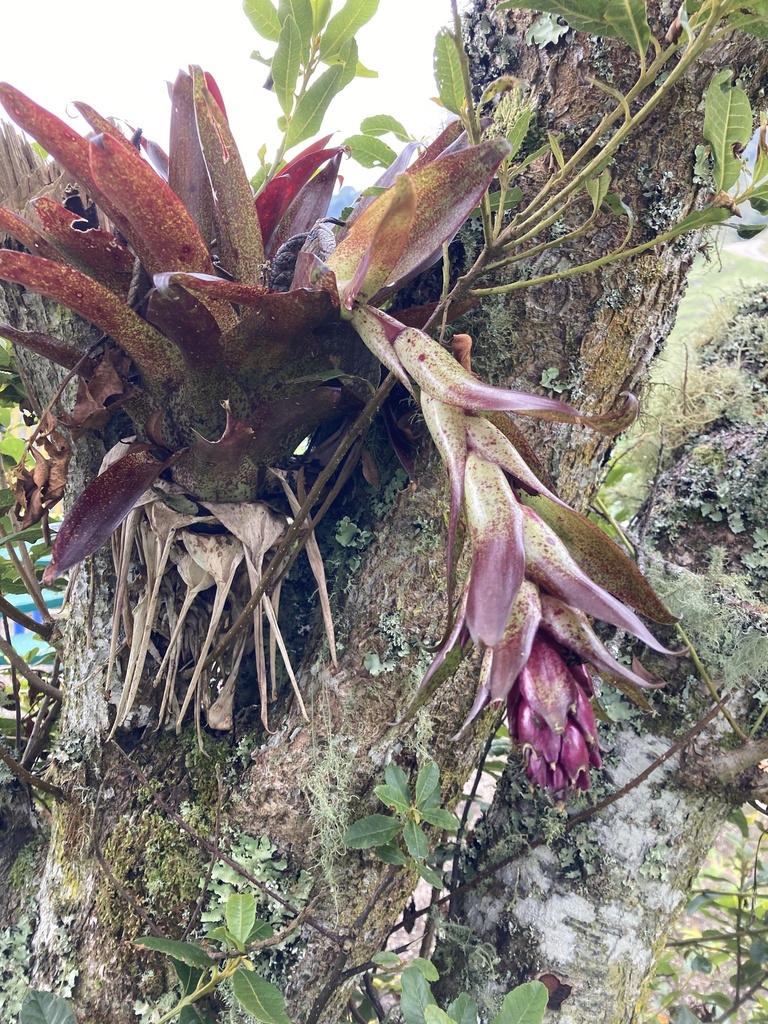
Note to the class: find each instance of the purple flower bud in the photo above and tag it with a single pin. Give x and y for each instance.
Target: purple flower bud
(574, 756)
(547, 685)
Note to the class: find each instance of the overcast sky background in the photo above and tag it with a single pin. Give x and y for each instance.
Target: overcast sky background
(119, 56)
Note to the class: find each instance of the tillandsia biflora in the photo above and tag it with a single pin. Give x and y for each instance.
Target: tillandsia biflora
(240, 323)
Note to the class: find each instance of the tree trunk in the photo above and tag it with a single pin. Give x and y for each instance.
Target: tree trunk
(112, 863)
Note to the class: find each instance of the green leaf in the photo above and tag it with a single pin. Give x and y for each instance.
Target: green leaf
(426, 967)
(463, 1010)
(392, 798)
(301, 12)
(347, 58)
(628, 19)
(583, 15)
(321, 9)
(13, 447)
(739, 819)
(286, 64)
(342, 26)
(554, 145)
(427, 785)
(753, 24)
(311, 108)
(380, 124)
(598, 189)
(447, 65)
(440, 818)
(386, 959)
(727, 123)
(390, 853)
(517, 133)
(430, 877)
(263, 16)
(686, 1016)
(415, 840)
(370, 151)
(261, 930)
(434, 1015)
(188, 952)
(525, 1004)
(416, 995)
(375, 830)
(45, 1008)
(240, 914)
(397, 779)
(700, 219)
(260, 998)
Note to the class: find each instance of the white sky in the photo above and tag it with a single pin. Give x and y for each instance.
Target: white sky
(118, 57)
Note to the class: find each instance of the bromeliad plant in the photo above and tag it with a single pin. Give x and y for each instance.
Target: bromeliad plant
(237, 326)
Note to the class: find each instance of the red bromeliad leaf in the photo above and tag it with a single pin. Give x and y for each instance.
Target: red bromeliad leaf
(448, 427)
(187, 173)
(279, 193)
(208, 286)
(56, 351)
(495, 525)
(158, 362)
(101, 125)
(187, 322)
(486, 439)
(549, 564)
(379, 330)
(214, 90)
(387, 179)
(600, 558)
(362, 274)
(68, 148)
(447, 191)
(157, 157)
(96, 252)
(101, 508)
(309, 206)
(240, 244)
(512, 652)
(447, 137)
(27, 235)
(163, 233)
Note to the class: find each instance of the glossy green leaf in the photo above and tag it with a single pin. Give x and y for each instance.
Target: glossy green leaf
(301, 12)
(240, 914)
(380, 124)
(392, 798)
(370, 151)
(343, 25)
(430, 876)
(347, 58)
(583, 15)
(416, 995)
(700, 219)
(397, 779)
(187, 952)
(629, 21)
(261, 931)
(386, 959)
(311, 108)
(447, 67)
(463, 1010)
(321, 10)
(375, 830)
(286, 64)
(426, 967)
(263, 1000)
(727, 124)
(45, 1008)
(434, 1015)
(391, 853)
(525, 1004)
(428, 785)
(753, 24)
(440, 818)
(262, 14)
(685, 1016)
(415, 840)
(517, 133)
(557, 152)
(598, 189)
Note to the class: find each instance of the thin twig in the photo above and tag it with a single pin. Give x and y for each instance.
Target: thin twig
(30, 779)
(26, 670)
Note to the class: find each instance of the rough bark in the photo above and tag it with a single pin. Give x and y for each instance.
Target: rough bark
(115, 865)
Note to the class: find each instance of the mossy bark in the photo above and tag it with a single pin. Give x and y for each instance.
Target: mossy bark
(115, 867)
